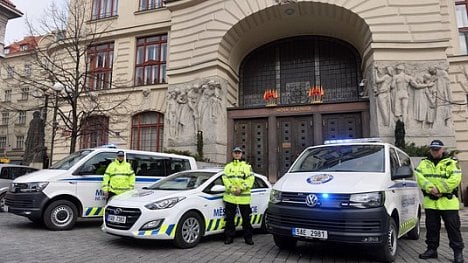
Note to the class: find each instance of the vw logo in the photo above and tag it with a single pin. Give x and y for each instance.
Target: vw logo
(117, 211)
(312, 200)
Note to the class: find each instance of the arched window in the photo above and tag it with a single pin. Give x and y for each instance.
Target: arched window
(147, 131)
(95, 131)
(293, 66)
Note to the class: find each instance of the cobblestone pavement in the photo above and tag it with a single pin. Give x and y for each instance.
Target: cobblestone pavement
(23, 241)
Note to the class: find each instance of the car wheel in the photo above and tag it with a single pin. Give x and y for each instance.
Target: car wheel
(389, 246)
(189, 230)
(416, 231)
(284, 242)
(2, 202)
(60, 215)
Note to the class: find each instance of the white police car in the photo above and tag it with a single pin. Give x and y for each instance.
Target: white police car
(182, 207)
(358, 191)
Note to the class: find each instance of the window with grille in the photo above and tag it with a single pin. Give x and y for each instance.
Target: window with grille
(150, 4)
(20, 142)
(3, 142)
(100, 59)
(147, 131)
(27, 70)
(22, 117)
(8, 95)
(95, 132)
(293, 66)
(104, 8)
(462, 22)
(150, 65)
(5, 117)
(24, 93)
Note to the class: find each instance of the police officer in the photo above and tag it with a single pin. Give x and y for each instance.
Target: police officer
(238, 180)
(118, 178)
(439, 176)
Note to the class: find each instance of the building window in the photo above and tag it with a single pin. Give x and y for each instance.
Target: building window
(147, 131)
(24, 93)
(27, 70)
(104, 8)
(5, 117)
(95, 132)
(22, 117)
(461, 8)
(10, 72)
(151, 60)
(8, 95)
(100, 66)
(3, 143)
(20, 142)
(150, 4)
(6, 51)
(23, 47)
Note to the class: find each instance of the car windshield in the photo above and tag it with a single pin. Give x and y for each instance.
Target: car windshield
(70, 160)
(182, 181)
(342, 158)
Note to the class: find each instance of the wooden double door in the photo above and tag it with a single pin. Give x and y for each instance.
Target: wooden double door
(272, 144)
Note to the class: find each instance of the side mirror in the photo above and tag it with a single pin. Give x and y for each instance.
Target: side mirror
(218, 189)
(403, 172)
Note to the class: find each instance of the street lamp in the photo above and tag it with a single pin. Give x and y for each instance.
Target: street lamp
(58, 87)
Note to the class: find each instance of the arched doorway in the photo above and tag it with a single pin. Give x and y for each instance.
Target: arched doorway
(314, 83)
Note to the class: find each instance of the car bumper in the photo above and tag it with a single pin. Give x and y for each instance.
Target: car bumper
(26, 204)
(361, 226)
(136, 218)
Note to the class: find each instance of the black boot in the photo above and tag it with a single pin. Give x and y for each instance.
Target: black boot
(429, 253)
(228, 240)
(458, 256)
(248, 241)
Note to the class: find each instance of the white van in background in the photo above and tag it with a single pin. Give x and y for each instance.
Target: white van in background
(71, 188)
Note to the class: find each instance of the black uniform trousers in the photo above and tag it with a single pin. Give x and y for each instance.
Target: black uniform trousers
(230, 213)
(452, 225)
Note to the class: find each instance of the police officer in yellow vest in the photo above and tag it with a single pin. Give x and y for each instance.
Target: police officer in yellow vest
(439, 176)
(118, 178)
(238, 180)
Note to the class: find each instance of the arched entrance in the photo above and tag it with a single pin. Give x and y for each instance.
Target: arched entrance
(294, 93)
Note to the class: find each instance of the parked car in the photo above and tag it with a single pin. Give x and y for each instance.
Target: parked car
(353, 191)
(9, 172)
(183, 207)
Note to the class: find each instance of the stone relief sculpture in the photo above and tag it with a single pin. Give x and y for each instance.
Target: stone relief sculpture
(417, 93)
(192, 108)
(383, 77)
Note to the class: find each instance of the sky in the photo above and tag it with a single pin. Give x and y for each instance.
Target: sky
(33, 9)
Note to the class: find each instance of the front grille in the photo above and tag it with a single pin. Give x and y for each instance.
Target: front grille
(324, 201)
(350, 225)
(131, 214)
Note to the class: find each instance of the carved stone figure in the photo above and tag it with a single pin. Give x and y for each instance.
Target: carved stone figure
(401, 82)
(34, 143)
(171, 112)
(422, 101)
(383, 79)
(442, 94)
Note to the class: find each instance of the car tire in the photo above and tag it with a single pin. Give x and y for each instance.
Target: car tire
(284, 242)
(189, 230)
(2, 202)
(389, 247)
(415, 233)
(60, 215)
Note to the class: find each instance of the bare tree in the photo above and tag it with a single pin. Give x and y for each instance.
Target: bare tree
(68, 56)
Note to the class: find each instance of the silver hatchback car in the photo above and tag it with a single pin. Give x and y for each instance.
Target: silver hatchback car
(9, 172)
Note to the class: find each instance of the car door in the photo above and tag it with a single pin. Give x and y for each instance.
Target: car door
(410, 193)
(260, 194)
(212, 207)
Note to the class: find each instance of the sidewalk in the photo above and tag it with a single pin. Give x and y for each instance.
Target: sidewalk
(463, 218)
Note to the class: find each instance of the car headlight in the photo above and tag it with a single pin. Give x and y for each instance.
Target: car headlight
(28, 187)
(165, 203)
(275, 196)
(367, 200)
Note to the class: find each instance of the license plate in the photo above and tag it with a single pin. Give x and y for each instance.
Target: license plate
(309, 233)
(116, 219)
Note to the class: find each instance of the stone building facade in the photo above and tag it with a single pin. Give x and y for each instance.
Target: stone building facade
(276, 76)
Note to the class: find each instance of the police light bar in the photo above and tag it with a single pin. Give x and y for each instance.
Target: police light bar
(352, 140)
(111, 146)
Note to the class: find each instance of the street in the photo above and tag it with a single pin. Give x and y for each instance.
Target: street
(23, 241)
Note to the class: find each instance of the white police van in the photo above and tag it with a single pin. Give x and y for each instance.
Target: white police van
(71, 188)
(354, 191)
